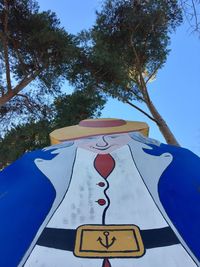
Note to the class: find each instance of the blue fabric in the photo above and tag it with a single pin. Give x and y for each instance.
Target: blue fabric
(179, 192)
(26, 196)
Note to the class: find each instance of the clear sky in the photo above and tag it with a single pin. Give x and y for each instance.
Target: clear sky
(175, 92)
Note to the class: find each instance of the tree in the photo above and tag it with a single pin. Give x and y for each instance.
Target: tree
(191, 12)
(33, 48)
(71, 109)
(125, 49)
(67, 110)
(23, 138)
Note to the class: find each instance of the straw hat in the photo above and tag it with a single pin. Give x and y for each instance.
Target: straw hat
(91, 127)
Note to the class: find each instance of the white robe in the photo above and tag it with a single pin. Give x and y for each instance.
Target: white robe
(130, 203)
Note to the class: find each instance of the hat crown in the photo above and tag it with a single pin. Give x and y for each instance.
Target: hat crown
(102, 123)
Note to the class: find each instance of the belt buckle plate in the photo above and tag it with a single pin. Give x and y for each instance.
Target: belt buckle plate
(109, 241)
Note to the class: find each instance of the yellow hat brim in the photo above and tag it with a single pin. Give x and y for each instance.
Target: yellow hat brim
(77, 131)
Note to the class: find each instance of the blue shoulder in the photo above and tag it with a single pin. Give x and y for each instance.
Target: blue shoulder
(179, 192)
(26, 196)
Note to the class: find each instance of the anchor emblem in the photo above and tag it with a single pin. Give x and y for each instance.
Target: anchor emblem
(106, 244)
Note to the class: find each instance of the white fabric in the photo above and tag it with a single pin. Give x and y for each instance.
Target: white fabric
(130, 203)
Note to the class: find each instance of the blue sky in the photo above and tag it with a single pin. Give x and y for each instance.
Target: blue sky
(175, 92)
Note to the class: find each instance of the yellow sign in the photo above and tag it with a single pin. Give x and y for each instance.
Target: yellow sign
(101, 241)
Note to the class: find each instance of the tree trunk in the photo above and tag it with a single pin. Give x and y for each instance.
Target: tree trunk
(166, 132)
(142, 84)
(10, 94)
(162, 125)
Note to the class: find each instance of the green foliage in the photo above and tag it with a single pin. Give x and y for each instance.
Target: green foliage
(34, 49)
(71, 109)
(128, 38)
(124, 50)
(36, 41)
(23, 138)
(67, 110)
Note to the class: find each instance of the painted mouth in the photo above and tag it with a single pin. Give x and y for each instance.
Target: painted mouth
(103, 148)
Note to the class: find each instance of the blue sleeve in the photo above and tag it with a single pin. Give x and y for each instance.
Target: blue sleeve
(179, 192)
(26, 197)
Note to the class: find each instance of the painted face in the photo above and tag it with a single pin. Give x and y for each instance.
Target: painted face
(104, 144)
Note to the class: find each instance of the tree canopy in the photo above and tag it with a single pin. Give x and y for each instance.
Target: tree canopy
(125, 48)
(33, 48)
(71, 109)
(118, 56)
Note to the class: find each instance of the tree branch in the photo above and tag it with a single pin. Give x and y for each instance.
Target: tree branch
(141, 110)
(2, 90)
(26, 97)
(153, 73)
(190, 13)
(141, 83)
(27, 103)
(18, 55)
(195, 16)
(5, 47)
(137, 96)
(24, 82)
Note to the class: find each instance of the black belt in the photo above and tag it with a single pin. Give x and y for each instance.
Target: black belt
(64, 239)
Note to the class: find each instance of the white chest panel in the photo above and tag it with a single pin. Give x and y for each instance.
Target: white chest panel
(129, 203)
(79, 205)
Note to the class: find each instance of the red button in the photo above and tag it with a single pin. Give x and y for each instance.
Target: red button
(101, 184)
(101, 202)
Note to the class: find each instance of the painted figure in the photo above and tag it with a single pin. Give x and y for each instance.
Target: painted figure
(106, 196)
